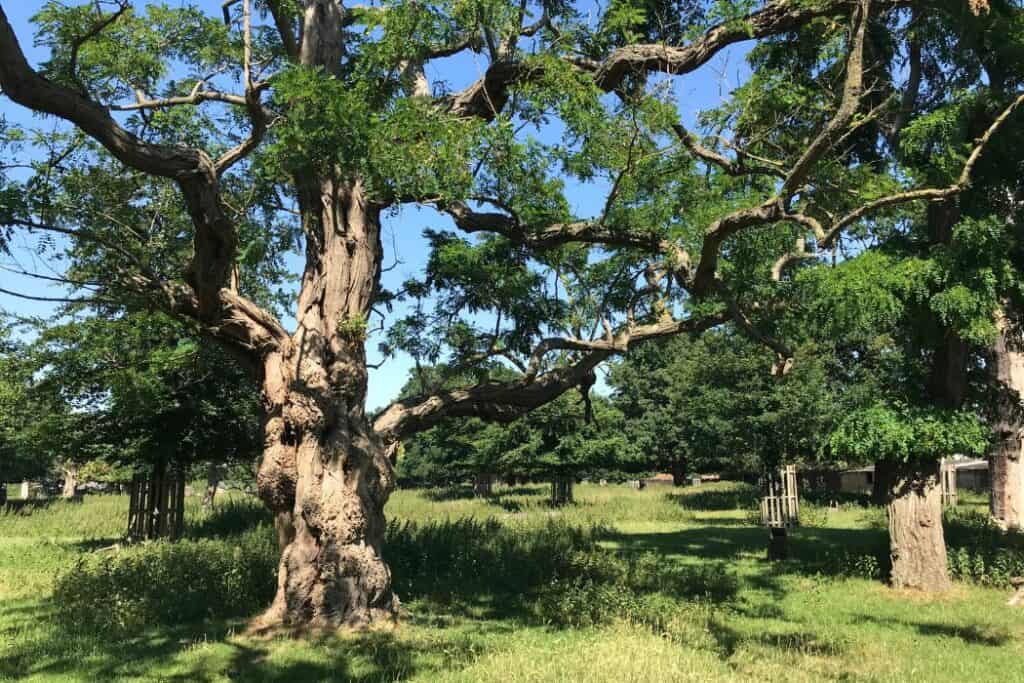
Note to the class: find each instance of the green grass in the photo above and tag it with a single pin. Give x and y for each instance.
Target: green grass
(487, 587)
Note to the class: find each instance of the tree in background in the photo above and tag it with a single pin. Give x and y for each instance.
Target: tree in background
(712, 405)
(570, 438)
(139, 393)
(20, 458)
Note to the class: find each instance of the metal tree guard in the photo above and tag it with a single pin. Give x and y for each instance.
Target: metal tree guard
(780, 510)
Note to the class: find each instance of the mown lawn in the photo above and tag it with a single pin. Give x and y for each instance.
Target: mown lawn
(485, 601)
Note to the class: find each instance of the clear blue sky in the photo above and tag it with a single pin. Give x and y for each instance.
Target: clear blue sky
(699, 90)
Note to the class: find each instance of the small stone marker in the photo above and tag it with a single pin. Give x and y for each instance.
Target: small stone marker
(1018, 598)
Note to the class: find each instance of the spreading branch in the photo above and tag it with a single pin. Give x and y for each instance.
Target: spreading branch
(506, 401)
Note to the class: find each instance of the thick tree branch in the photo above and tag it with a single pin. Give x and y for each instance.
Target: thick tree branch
(285, 28)
(506, 401)
(853, 87)
(215, 237)
(487, 96)
(827, 237)
(773, 19)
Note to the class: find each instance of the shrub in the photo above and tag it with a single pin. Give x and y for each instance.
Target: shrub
(981, 552)
(852, 564)
(168, 583)
(604, 587)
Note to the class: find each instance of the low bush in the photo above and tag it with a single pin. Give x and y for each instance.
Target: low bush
(981, 552)
(166, 583)
(470, 557)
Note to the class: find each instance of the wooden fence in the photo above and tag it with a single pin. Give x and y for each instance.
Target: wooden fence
(156, 507)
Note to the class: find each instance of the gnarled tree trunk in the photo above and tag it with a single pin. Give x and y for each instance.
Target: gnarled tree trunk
(916, 540)
(324, 473)
(1006, 462)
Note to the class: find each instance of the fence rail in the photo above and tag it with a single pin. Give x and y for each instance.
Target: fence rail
(156, 507)
(781, 507)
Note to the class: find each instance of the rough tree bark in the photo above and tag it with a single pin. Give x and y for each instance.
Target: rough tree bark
(483, 485)
(70, 487)
(679, 471)
(1006, 462)
(916, 540)
(324, 473)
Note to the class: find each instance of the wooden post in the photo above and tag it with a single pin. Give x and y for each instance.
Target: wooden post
(780, 510)
(156, 506)
(950, 495)
(778, 548)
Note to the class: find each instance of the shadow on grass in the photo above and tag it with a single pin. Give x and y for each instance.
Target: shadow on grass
(972, 634)
(736, 497)
(26, 507)
(39, 647)
(230, 518)
(465, 492)
(706, 542)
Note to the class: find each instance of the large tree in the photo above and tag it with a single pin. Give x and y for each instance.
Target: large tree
(307, 121)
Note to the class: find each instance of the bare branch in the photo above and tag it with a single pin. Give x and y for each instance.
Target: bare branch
(56, 299)
(731, 167)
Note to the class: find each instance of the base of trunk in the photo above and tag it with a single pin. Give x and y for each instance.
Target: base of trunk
(214, 474)
(916, 540)
(483, 485)
(679, 473)
(778, 544)
(561, 491)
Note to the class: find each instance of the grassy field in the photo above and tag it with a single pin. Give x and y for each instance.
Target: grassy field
(653, 585)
